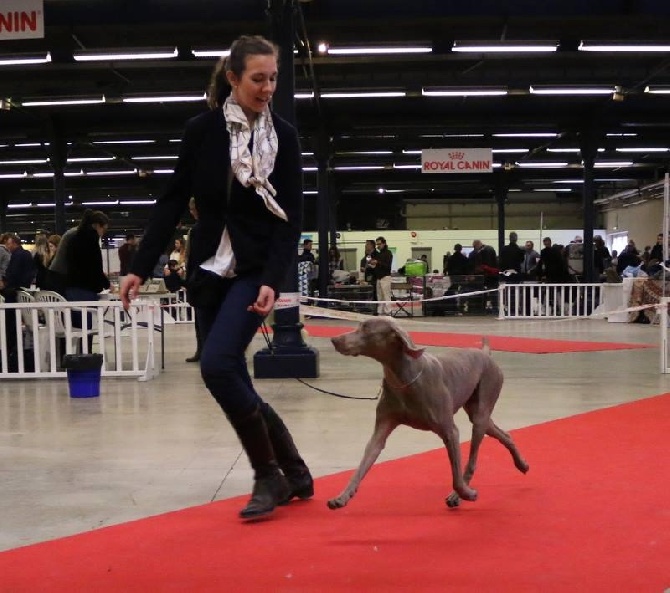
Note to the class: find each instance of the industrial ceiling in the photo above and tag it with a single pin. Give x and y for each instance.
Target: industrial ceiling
(533, 108)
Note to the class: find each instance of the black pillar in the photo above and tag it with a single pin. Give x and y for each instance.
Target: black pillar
(3, 213)
(322, 153)
(501, 197)
(288, 355)
(58, 156)
(588, 144)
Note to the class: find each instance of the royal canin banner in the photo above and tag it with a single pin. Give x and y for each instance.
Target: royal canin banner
(457, 160)
(21, 19)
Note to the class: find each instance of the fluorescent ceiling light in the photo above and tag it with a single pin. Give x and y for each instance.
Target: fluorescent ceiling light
(310, 192)
(463, 92)
(359, 168)
(85, 55)
(90, 159)
(451, 135)
(101, 203)
(304, 95)
(406, 166)
(504, 46)
(412, 151)
(607, 164)
(363, 95)
(44, 175)
(570, 150)
(137, 202)
(509, 150)
(51, 102)
(43, 205)
(373, 51)
(103, 173)
(25, 162)
(650, 149)
(527, 135)
(162, 171)
(622, 135)
(539, 165)
(310, 169)
(123, 142)
(166, 99)
(31, 145)
(307, 153)
(365, 152)
(20, 205)
(172, 140)
(614, 46)
(211, 53)
(659, 90)
(571, 91)
(166, 157)
(553, 189)
(13, 175)
(25, 59)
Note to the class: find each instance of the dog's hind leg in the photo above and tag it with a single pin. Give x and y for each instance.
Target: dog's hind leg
(501, 436)
(383, 428)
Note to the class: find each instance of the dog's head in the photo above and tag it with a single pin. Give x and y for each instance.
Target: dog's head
(379, 338)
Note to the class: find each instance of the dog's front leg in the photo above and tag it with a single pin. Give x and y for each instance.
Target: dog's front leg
(383, 428)
(451, 442)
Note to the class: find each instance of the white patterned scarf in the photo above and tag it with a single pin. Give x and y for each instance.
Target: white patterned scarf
(253, 169)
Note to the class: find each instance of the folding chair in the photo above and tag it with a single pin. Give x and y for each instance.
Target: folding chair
(401, 294)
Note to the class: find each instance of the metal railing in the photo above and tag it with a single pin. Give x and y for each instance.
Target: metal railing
(548, 301)
(35, 336)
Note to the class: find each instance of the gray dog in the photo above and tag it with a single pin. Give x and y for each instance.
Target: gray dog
(425, 391)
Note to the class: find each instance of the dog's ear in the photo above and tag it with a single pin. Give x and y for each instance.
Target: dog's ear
(409, 347)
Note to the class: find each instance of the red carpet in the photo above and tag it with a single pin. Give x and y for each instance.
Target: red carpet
(592, 515)
(501, 343)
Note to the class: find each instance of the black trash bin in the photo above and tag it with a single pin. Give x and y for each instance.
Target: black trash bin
(83, 374)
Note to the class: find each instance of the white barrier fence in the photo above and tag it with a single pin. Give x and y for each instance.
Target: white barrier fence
(548, 301)
(34, 336)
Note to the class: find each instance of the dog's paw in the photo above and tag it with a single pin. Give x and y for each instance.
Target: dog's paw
(335, 503)
(468, 493)
(453, 500)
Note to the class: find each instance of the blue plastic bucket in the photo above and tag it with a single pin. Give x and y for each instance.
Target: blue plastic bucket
(83, 383)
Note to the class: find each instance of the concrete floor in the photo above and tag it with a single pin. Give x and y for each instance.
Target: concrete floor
(72, 465)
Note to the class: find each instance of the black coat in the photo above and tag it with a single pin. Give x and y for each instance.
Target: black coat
(262, 242)
(84, 261)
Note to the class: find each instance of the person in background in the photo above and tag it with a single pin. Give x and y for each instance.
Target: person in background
(179, 253)
(42, 257)
(657, 250)
(457, 264)
(5, 255)
(19, 273)
(173, 277)
(629, 256)
(530, 260)
(241, 251)
(85, 273)
(57, 274)
(196, 321)
(306, 254)
(126, 254)
(511, 259)
(334, 262)
(382, 261)
(601, 256)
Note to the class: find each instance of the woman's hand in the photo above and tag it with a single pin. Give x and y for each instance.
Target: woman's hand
(129, 289)
(264, 301)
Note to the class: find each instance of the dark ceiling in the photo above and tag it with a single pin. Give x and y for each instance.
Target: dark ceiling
(629, 118)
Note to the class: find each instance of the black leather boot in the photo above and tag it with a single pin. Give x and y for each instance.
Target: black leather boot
(291, 463)
(270, 486)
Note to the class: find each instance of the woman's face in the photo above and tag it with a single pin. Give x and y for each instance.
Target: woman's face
(253, 90)
(101, 229)
(177, 244)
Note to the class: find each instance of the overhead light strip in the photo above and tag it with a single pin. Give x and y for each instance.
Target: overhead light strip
(120, 55)
(64, 101)
(613, 46)
(363, 95)
(25, 59)
(496, 92)
(324, 48)
(504, 47)
(165, 99)
(568, 91)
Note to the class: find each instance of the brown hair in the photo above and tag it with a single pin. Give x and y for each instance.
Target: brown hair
(236, 62)
(93, 217)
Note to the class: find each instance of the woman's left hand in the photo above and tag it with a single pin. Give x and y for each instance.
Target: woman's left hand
(264, 301)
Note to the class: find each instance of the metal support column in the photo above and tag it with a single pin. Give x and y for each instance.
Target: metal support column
(501, 198)
(288, 355)
(322, 153)
(588, 144)
(58, 156)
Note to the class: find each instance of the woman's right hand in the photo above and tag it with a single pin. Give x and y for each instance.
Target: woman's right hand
(129, 289)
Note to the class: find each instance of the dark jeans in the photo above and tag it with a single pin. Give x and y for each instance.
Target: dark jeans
(81, 294)
(226, 332)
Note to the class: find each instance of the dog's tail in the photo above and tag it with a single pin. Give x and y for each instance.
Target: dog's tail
(485, 345)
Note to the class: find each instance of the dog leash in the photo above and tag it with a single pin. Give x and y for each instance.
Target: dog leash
(266, 335)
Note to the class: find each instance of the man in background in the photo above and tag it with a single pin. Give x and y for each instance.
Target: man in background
(198, 339)
(382, 260)
(126, 253)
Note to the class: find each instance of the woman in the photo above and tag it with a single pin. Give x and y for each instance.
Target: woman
(179, 253)
(42, 257)
(334, 262)
(242, 164)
